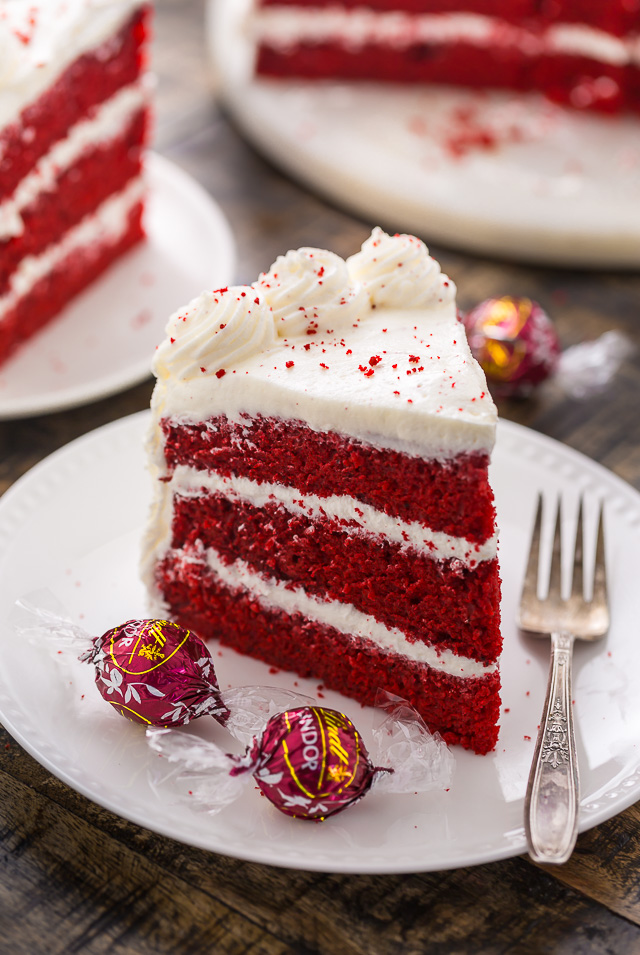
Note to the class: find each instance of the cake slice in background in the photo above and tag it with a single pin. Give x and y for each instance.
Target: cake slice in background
(74, 119)
(582, 53)
(319, 449)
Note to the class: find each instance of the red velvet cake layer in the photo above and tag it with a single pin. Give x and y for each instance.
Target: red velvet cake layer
(100, 171)
(70, 276)
(451, 496)
(87, 82)
(464, 711)
(441, 603)
(574, 81)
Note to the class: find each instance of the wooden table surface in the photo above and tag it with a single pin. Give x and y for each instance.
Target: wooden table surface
(76, 878)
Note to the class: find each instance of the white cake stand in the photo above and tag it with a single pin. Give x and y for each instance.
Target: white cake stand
(496, 174)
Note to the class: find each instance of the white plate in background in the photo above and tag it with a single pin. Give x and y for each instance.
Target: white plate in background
(549, 185)
(103, 341)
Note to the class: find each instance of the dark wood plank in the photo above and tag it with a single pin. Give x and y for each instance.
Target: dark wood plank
(60, 871)
(604, 866)
(507, 906)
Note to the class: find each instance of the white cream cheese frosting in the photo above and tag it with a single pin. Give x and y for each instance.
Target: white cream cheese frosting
(376, 355)
(40, 38)
(217, 329)
(398, 272)
(308, 289)
(351, 516)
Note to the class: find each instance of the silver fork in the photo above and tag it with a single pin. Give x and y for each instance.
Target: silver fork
(551, 805)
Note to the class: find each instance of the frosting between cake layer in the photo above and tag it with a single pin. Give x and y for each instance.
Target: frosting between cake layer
(354, 516)
(106, 225)
(107, 122)
(277, 595)
(285, 28)
(390, 375)
(38, 40)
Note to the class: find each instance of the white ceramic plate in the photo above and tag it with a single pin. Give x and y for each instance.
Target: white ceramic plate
(104, 341)
(73, 526)
(554, 186)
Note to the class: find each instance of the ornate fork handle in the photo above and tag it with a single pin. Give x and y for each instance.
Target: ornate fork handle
(551, 807)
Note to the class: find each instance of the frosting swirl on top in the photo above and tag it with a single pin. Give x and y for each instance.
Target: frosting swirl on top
(398, 272)
(310, 289)
(214, 332)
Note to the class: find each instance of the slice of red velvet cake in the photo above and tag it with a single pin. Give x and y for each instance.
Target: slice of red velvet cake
(319, 448)
(582, 53)
(73, 124)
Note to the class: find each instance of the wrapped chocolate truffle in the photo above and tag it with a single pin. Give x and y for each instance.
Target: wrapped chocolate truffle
(514, 341)
(156, 672)
(311, 762)
(153, 672)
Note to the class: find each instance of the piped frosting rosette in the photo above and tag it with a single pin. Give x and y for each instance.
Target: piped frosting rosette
(215, 331)
(398, 272)
(310, 291)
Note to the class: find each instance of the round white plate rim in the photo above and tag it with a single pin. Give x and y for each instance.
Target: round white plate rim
(164, 174)
(29, 488)
(521, 239)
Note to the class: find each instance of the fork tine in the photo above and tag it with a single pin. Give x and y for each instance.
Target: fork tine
(555, 573)
(577, 572)
(530, 584)
(599, 571)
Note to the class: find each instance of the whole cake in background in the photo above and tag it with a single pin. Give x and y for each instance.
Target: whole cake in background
(73, 124)
(581, 53)
(319, 448)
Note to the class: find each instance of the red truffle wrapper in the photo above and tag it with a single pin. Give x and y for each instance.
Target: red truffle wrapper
(310, 763)
(156, 673)
(514, 341)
